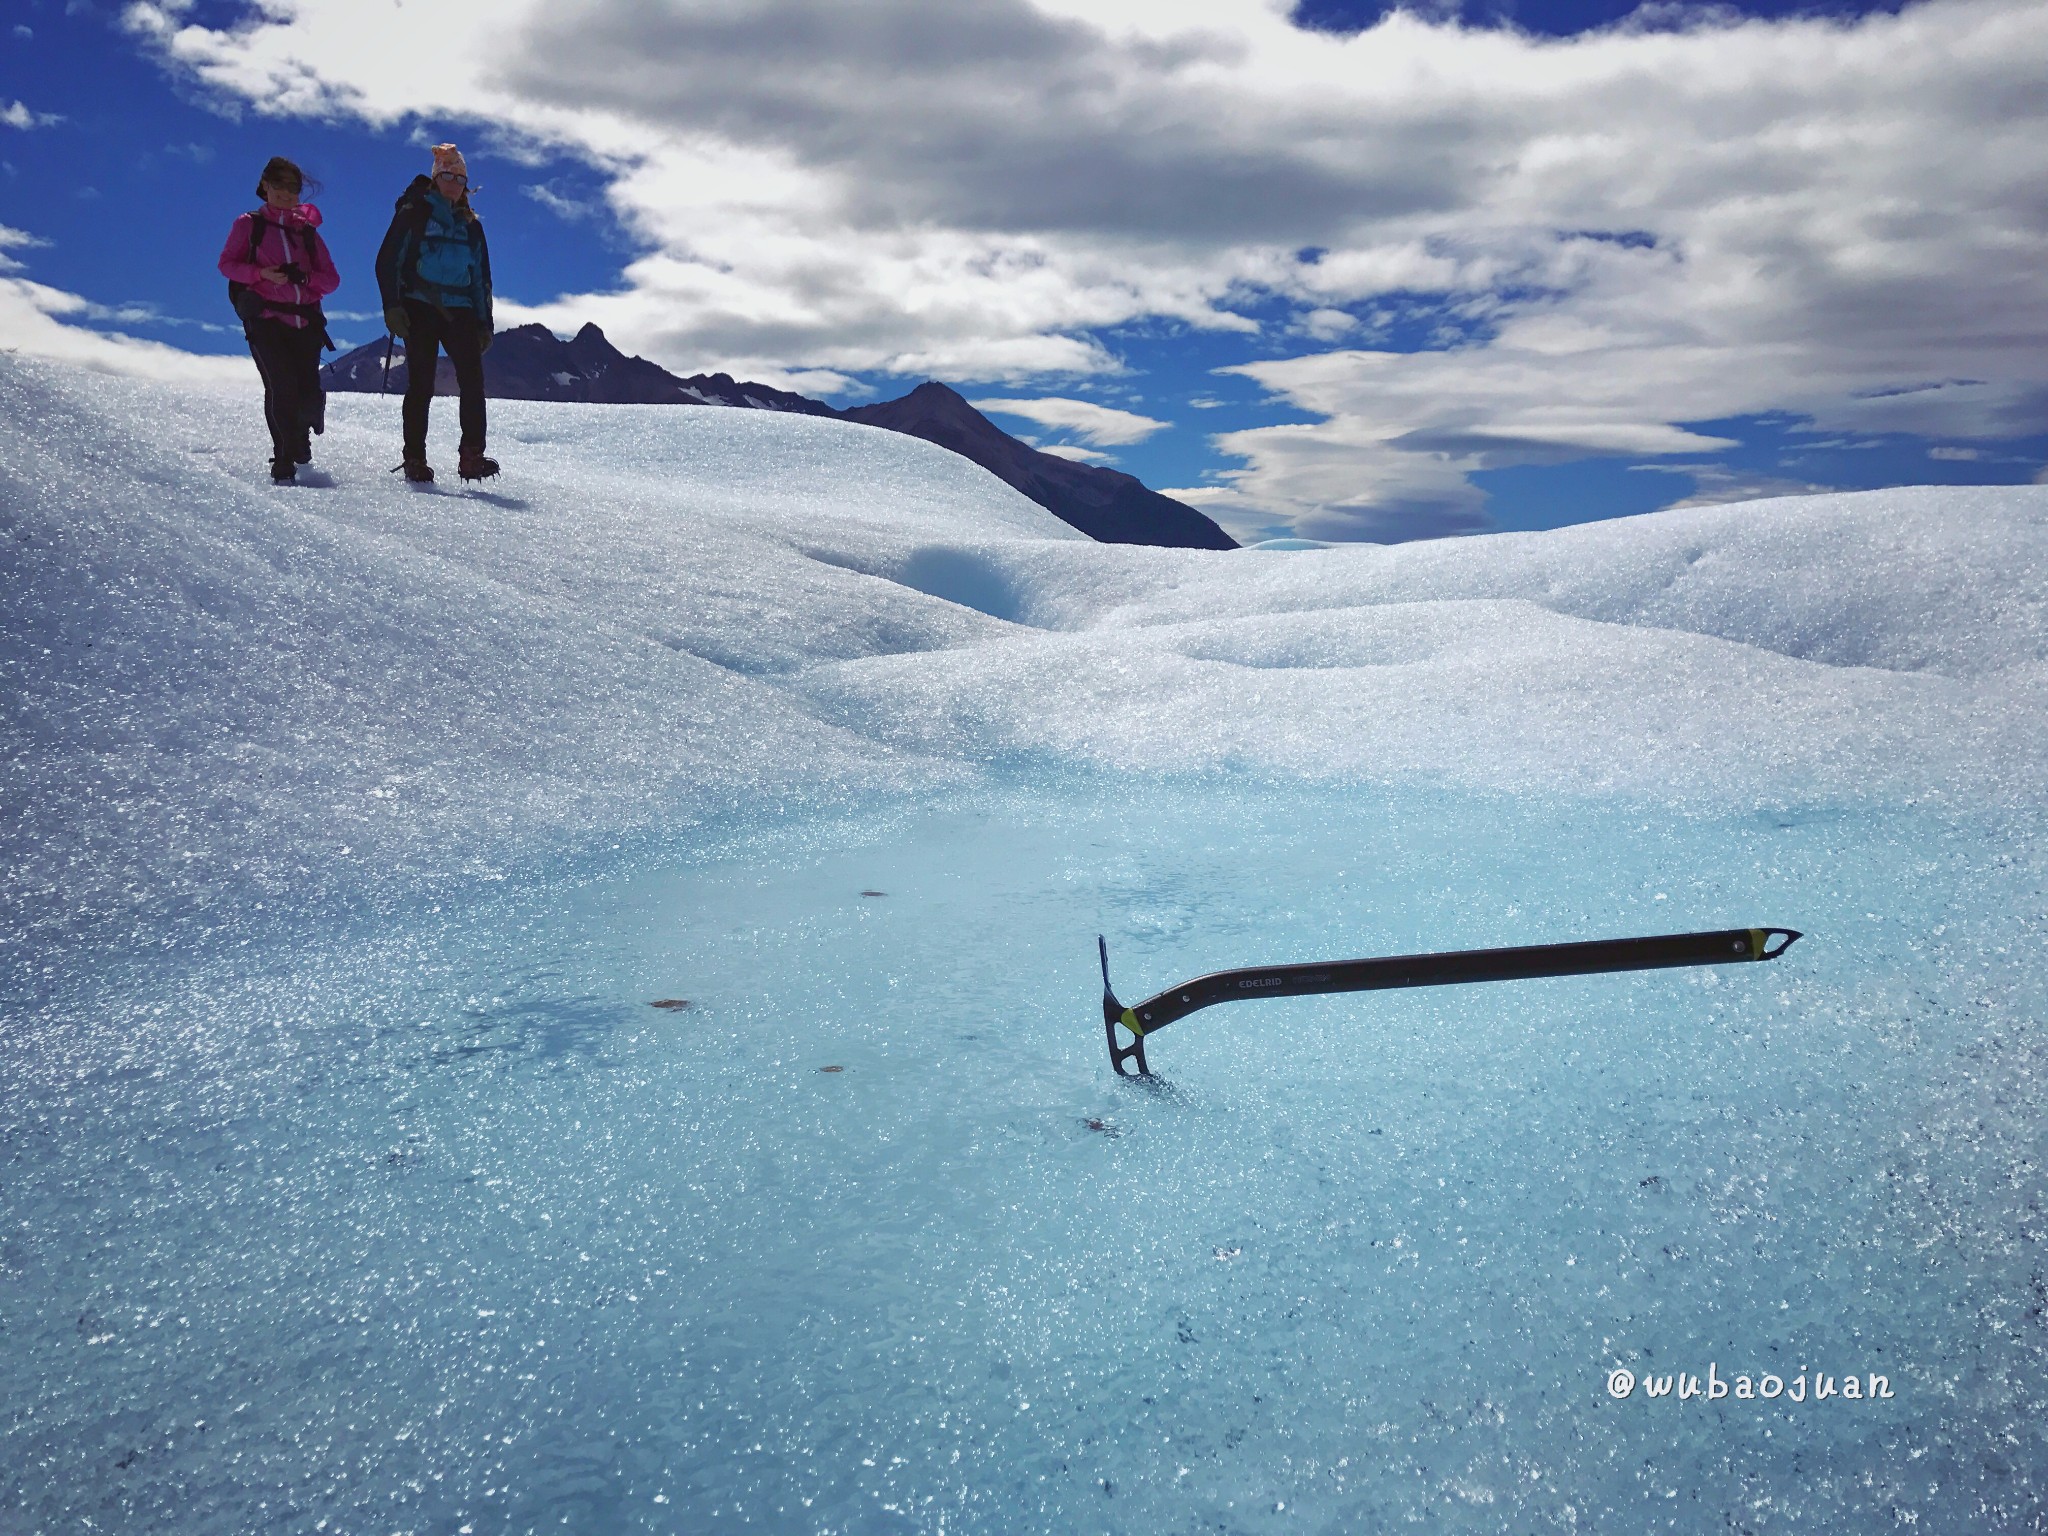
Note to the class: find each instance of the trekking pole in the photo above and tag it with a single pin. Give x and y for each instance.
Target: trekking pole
(384, 384)
(1140, 1022)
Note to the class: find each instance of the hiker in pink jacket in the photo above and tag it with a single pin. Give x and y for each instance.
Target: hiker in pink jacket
(278, 270)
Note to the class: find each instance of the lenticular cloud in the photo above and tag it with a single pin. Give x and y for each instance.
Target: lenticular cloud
(352, 831)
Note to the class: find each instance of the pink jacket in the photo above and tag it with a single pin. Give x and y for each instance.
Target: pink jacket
(295, 239)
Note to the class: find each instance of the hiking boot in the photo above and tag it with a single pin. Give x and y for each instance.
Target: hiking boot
(417, 469)
(283, 471)
(304, 454)
(475, 465)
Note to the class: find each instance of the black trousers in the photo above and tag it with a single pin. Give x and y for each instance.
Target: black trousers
(428, 333)
(294, 405)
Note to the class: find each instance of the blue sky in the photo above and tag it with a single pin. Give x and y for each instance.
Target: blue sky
(1454, 351)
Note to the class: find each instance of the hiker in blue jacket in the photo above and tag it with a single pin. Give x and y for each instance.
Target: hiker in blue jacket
(434, 272)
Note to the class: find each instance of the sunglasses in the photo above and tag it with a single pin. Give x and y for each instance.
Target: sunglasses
(454, 176)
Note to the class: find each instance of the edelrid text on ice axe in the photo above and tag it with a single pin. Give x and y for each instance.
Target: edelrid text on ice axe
(1138, 1023)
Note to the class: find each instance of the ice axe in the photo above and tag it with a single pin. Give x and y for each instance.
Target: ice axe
(1727, 946)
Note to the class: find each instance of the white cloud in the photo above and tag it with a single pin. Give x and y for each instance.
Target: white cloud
(18, 115)
(563, 207)
(1959, 455)
(76, 308)
(819, 381)
(111, 314)
(1099, 425)
(1626, 231)
(1714, 487)
(34, 319)
(1077, 453)
(12, 239)
(1326, 324)
(1238, 515)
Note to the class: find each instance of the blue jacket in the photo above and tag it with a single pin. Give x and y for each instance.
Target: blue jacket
(434, 254)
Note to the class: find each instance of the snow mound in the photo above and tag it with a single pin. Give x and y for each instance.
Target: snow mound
(221, 693)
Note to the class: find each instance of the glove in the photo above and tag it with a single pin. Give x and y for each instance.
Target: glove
(397, 322)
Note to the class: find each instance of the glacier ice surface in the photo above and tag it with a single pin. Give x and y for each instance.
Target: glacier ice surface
(348, 1179)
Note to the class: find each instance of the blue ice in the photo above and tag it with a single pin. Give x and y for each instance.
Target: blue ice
(441, 1224)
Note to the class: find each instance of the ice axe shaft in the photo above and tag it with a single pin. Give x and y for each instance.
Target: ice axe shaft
(1727, 946)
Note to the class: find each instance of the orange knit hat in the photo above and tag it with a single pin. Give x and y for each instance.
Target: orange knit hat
(448, 158)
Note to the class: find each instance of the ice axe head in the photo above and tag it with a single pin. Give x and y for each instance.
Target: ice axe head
(1115, 1016)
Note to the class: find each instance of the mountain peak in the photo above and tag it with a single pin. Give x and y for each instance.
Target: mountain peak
(934, 396)
(933, 404)
(591, 349)
(1105, 504)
